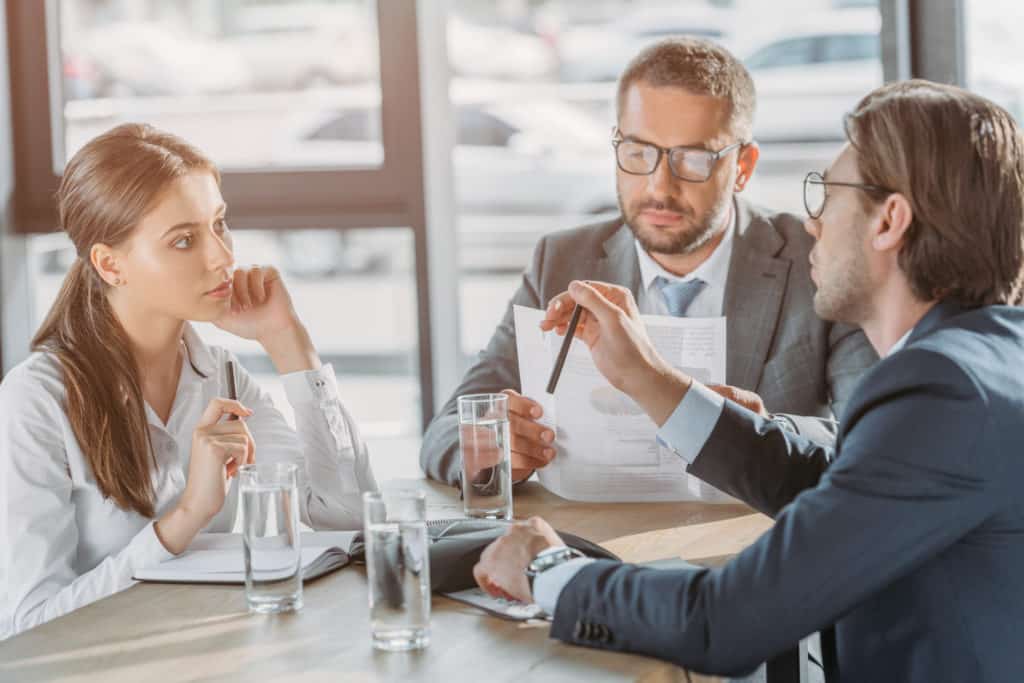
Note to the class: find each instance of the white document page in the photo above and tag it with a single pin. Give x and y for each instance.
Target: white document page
(217, 558)
(606, 445)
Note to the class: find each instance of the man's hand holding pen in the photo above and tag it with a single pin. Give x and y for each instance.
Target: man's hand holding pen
(611, 327)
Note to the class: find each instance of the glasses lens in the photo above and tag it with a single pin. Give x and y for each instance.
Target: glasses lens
(636, 157)
(814, 195)
(692, 164)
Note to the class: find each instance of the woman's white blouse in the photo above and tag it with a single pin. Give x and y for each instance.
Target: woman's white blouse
(63, 545)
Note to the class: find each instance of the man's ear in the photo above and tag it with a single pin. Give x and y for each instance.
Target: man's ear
(104, 260)
(895, 216)
(746, 162)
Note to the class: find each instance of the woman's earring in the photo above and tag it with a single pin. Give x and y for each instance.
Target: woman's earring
(117, 282)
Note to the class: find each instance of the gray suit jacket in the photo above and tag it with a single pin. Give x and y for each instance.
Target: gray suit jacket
(909, 536)
(798, 363)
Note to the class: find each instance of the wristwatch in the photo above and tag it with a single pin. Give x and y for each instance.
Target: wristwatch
(548, 558)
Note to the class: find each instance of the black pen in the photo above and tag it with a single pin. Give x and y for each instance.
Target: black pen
(564, 351)
(232, 391)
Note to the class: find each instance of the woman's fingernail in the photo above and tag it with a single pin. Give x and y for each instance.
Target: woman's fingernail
(535, 411)
(549, 453)
(547, 436)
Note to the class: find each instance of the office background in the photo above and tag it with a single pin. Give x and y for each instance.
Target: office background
(398, 159)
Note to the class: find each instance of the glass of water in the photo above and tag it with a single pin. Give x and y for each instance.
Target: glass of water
(270, 536)
(397, 568)
(486, 456)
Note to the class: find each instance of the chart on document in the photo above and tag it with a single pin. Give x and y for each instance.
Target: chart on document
(607, 448)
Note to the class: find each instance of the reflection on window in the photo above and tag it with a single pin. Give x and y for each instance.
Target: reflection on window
(356, 292)
(794, 52)
(852, 47)
(995, 66)
(533, 151)
(242, 79)
(475, 127)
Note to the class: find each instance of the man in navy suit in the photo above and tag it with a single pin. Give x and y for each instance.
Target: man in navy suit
(908, 536)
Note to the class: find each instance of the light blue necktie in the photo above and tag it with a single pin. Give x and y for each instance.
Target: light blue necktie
(679, 294)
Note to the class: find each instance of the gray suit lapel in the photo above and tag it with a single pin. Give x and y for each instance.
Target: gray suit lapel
(619, 264)
(753, 296)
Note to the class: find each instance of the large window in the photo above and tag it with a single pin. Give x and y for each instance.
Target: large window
(993, 60)
(533, 151)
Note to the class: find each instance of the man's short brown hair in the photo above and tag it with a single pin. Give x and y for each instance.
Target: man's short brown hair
(700, 67)
(958, 158)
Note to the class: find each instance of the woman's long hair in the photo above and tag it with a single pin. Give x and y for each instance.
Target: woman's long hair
(107, 187)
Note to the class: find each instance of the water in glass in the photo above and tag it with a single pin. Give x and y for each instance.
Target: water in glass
(398, 571)
(273, 557)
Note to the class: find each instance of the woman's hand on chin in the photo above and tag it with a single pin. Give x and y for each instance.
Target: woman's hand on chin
(261, 307)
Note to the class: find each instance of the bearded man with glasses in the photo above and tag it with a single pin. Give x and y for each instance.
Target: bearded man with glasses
(685, 244)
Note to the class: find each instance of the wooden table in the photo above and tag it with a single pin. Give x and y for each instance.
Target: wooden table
(157, 632)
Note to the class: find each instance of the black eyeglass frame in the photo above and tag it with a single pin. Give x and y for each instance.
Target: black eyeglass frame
(815, 178)
(713, 157)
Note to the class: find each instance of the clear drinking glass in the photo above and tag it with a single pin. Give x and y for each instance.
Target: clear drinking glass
(486, 456)
(270, 537)
(397, 568)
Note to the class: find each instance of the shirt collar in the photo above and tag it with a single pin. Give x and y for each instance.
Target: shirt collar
(199, 354)
(901, 342)
(714, 271)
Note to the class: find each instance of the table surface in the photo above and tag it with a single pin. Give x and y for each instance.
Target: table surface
(204, 633)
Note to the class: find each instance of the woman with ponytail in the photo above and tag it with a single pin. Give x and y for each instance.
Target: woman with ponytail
(115, 447)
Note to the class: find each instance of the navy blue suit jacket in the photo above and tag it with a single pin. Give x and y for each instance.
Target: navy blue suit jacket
(909, 536)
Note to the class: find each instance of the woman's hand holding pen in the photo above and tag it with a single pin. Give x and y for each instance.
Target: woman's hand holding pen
(261, 309)
(611, 328)
(219, 448)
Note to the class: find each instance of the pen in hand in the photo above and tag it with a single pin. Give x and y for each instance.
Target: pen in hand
(232, 391)
(556, 371)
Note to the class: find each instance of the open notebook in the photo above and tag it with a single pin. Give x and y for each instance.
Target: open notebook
(217, 558)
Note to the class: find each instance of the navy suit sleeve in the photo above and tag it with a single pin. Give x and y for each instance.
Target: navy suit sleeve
(496, 369)
(913, 475)
(757, 461)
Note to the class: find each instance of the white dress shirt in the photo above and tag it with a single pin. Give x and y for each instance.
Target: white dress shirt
(63, 545)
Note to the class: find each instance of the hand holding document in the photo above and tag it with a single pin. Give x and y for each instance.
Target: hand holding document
(607, 446)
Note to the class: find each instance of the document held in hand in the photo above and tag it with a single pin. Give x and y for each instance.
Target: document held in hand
(217, 558)
(607, 448)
